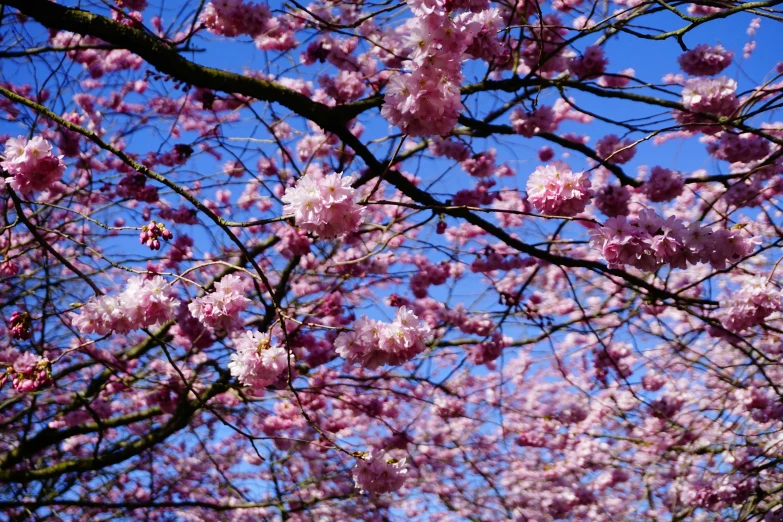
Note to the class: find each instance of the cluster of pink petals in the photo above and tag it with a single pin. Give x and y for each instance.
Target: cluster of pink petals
(591, 64)
(663, 185)
(29, 372)
(715, 96)
(612, 200)
(544, 51)
(481, 165)
(614, 150)
(487, 351)
(32, 164)
(617, 80)
(377, 473)
(734, 148)
(555, 190)
(483, 27)
(426, 101)
(756, 299)
(325, 206)
(449, 148)
(705, 60)
(86, 51)
(235, 17)
(528, 124)
(475, 6)
(189, 331)
(373, 343)
(143, 303)
(220, 309)
(134, 186)
(257, 362)
(650, 241)
(133, 5)
(150, 234)
(19, 325)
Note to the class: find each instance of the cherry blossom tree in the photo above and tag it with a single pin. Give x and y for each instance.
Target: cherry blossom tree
(438, 260)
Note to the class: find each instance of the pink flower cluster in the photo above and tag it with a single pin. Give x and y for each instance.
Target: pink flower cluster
(426, 101)
(487, 351)
(220, 309)
(481, 165)
(705, 60)
(20, 325)
(544, 51)
(715, 96)
(613, 200)
(151, 233)
(373, 343)
(32, 164)
(133, 5)
(86, 51)
(377, 473)
(663, 185)
(135, 186)
(614, 150)
(754, 302)
(325, 206)
(235, 17)
(555, 190)
(591, 64)
(528, 124)
(483, 27)
(745, 147)
(257, 362)
(650, 241)
(189, 331)
(29, 372)
(449, 148)
(143, 303)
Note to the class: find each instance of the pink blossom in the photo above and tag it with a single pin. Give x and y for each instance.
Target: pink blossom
(377, 473)
(650, 241)
(325, 206)
(31, 163)
(220, 309)
(28, 372)
(481, 165)
(20, 325)
(754, 302)
(449, 148)
(528, 124)
(613, 150)
(257, 362)
(663, 185)
(143, 303)
(483, 27)
(705, 60)
(617, 81)
(373, 343)
(427, 100)
(422, 103)
(745, 147)
(235, 17)
(133, 5)
(152, 233)
(545, 154)
(555, 190)
(591, 64)
(189, 331)
(613, 200)
(715, 96)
